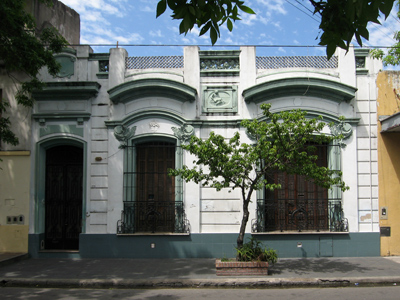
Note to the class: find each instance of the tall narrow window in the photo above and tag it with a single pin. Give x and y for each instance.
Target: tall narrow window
(152, 199)
(299, 204)
(155, 190)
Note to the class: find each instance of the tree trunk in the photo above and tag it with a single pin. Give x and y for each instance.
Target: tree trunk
(245, 218)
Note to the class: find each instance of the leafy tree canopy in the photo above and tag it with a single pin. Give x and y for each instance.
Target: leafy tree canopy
(281, 143)
(341, 20)
(392, 57)
(24, 51)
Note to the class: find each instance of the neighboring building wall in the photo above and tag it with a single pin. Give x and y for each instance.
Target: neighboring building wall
(63, 18)
(14, 191)
(388, 105)
(15, 168)
(109, 104)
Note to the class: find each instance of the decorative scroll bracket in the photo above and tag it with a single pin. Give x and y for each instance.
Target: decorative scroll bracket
(124, 134)
(343, 129)
(184, 132)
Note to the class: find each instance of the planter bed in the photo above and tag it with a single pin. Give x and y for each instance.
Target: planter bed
(241, 268)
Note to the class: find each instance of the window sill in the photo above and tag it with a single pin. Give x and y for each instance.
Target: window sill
(153, 234)
(299, 232)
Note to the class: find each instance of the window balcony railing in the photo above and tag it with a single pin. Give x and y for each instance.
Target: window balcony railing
(153, 217)
(293, 215)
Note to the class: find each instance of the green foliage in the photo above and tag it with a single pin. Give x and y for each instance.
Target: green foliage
(341, 20)
(392, 58)
(23, 50)
(207, 15)
(254, 250)
(282, 142)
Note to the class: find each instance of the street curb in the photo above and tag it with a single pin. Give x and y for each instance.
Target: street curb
(198, 283)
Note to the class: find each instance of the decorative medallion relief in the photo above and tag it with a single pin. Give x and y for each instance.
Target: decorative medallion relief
(344, 129)
(219, 99)
(124, 134)
(184, 132)
(154, 126)
(67, 63)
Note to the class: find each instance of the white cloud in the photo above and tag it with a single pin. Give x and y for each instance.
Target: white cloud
(156, 33)
(273, 7)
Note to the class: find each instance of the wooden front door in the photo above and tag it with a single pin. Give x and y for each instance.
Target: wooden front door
(63, 197)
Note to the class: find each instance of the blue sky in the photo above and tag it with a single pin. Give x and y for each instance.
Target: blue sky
(277, 23)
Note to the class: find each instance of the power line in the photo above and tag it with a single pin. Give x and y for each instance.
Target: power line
(311, 16)
(216, 46)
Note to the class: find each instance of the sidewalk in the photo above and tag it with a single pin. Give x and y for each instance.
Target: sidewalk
(198, 272)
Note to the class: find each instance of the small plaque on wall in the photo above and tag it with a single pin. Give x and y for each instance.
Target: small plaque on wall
(217, 99)
(385, 231)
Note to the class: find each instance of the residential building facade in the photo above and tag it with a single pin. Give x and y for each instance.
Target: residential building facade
(105, 131)
(15, 170)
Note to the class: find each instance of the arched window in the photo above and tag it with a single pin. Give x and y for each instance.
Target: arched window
(152, 199)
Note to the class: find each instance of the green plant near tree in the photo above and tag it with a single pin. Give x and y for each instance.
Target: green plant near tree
(254, 250)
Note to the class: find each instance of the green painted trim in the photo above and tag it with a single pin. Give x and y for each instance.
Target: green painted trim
(154, 72)
(99, 56)
(68, 50)
(167, 115)
(291, 72)
(143, 115)
(227, 94)
(299, 86)
(61, 128)
(219, 54)
(361, 52)
(102, 75)
(148, 87)
(69, 90)
(62, 115)
(39, 177)
(325, 117)
(362, 71)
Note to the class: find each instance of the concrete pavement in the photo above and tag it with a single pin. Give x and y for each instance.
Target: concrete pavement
(196, 272)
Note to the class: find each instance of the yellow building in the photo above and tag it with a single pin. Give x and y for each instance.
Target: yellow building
(388, 109)
(14, 211)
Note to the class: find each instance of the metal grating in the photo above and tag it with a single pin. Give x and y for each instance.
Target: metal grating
(281, 62)
(262, 62)
(154, 62)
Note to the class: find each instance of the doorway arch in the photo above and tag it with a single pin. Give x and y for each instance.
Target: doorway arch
(60, 201)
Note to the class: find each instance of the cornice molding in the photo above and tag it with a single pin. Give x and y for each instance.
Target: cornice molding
(69, 90)
(147, 87)
(299, 86)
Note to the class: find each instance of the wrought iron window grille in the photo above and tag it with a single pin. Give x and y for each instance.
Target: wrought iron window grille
(284, 216)
(153, 217)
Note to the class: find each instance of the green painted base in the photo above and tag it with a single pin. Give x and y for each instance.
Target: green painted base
(213, 245)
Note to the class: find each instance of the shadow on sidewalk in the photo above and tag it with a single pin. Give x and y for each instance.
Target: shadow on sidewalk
(304, 266)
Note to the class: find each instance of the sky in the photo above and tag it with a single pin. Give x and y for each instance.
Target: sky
(279, 28)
